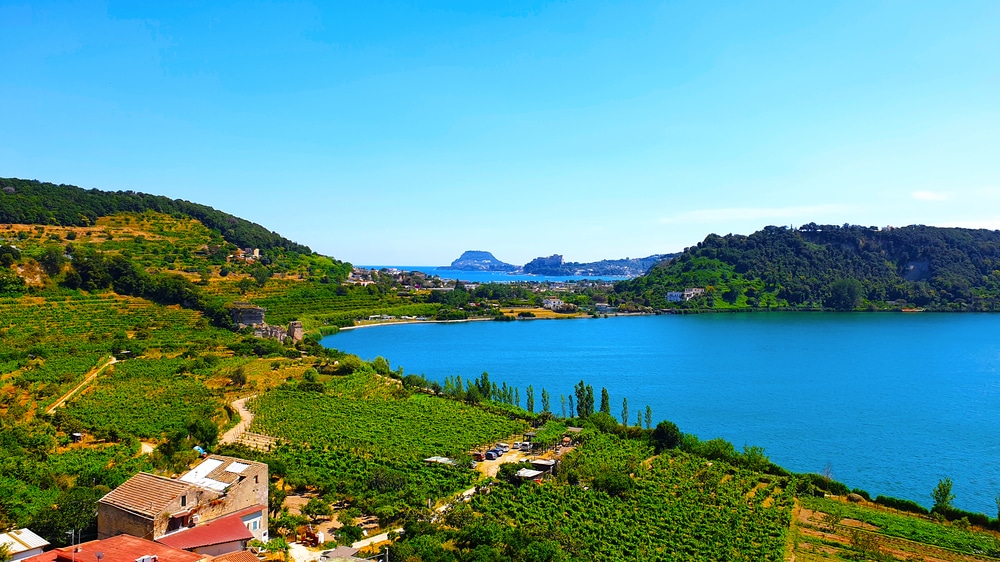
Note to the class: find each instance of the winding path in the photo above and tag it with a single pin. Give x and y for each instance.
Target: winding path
(246, 417)
(86, 380)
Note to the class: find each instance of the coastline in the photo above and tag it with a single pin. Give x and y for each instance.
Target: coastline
(481, 319)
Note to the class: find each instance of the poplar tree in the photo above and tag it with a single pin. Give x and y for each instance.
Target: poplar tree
(605, 401)
(530, 399)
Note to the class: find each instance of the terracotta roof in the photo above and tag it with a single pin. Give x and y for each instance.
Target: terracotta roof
(217, 531)
(238, 556)
(146, 494)
(123, 548)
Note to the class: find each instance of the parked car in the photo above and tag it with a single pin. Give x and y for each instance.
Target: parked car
(490, 455)
(503, 447)
(477, 456)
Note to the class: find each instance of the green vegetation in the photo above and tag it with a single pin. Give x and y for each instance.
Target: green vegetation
(912, 528)
(365, 439)
(828, 266)
(148, 280)
(610, 503)
(34, 202)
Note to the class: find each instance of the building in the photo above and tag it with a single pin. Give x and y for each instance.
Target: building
(123, 548)
(552, 303)
(219, 494)
(693, 292)
(22, 543)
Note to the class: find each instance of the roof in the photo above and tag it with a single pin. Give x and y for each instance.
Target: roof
(238, 556)
(543, 462)
(528, 473)
(22, 540)
(217, 531)
(341, 552)
(218, 472)
(123, 548)
(146, 494)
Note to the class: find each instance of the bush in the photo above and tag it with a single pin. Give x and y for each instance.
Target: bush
(902, 505)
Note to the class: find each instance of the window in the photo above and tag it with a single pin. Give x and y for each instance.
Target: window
(184, 501)
(255, 524)
(255, 479)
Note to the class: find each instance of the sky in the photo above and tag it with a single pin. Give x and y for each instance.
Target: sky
(404, 133)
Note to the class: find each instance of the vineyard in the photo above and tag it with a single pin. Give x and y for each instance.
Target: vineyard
(838, 519)
(677, 507)
(366, 441)
(48, 344)
(144, 398)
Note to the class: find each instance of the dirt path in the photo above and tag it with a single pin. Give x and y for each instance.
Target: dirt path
(246, 417)
(86, 380)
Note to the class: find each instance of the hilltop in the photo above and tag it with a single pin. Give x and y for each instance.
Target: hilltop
(35, 202)
(828, 266)
(478, 260)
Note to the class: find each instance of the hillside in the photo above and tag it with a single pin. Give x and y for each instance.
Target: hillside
(478, 260)
(35, 202)
(828, 266)
(149, 290)
(627, 267)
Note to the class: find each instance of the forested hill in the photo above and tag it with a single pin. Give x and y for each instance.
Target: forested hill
(34, 202)
(841, 267)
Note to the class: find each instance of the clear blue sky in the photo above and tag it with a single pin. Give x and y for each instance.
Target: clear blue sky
(405, 133)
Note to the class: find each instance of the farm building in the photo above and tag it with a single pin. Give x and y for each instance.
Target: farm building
(123, 548)
(215, 508)
(22, 543)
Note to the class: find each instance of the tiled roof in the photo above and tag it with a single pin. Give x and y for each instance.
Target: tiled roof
(217, 531)
(123, 548)
(146, 494)
(22, 540)
(238, 556)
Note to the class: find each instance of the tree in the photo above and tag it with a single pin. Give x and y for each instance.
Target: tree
(649, 417)
(997, 500)
(545, 400)
(52, 260)
(942, 495)
(562, 400)
(530, 399)
(605, 401)
(238, 377)
(624, 411)
(381, 365)
(845, 294)
(666, 436)
(316, 509)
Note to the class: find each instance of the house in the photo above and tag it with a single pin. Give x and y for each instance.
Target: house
(22, 543)
(123, 548)
(552, 303)
(693, 292)
(543, 465)
(218, 494)
(675, 296)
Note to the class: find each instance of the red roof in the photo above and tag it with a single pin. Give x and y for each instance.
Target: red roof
(238, 556)
(217, 531)
(123, 548)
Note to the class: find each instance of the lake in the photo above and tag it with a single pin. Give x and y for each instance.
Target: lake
(890, 403)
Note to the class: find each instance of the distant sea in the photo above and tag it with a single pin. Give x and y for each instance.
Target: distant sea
(889, 402)
(492, 276)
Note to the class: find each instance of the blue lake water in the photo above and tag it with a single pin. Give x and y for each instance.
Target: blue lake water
(891, 403)
(492, 276)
